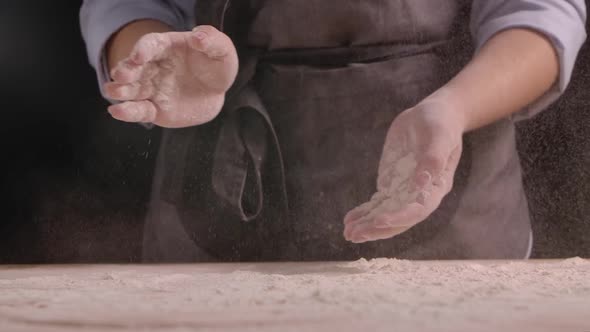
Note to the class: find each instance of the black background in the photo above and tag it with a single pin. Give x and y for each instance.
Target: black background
(75, 183)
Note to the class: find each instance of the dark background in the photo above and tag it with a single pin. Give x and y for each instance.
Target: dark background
(75, 183)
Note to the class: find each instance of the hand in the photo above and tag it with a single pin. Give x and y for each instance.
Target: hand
(421, 153)
(174, 79)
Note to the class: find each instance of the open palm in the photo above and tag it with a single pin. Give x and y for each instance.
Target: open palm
(174, 79)
(421, 153)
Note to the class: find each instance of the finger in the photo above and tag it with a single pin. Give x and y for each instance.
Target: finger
(220, 67)
(347, 230)
(359, 212)
(385, 219)
(134, 111)
(374, 234)
(364, 209)
(408, 216)
(430, 166)
(355, 214)
(432, 189)
(132, 91)
(151, 47)
(422, 180)
(210, 41)
(351, 227)
(126, 71)
(387, 225)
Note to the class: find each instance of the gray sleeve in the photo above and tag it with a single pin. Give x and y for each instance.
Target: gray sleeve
(561, 21)
(99, 19)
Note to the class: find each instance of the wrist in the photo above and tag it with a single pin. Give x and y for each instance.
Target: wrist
(447, 101)
(123, 41)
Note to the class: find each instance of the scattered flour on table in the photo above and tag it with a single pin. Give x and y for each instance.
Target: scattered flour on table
(375, 293)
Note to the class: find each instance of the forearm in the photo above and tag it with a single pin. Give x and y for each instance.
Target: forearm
(123, 41)
(512, 70)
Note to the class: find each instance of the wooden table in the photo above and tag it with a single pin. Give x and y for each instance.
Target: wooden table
(379, 295)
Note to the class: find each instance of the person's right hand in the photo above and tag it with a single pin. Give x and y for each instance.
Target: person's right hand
(417, 169)
(174, 79)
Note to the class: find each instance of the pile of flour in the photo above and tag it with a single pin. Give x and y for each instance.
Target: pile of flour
(376, 295)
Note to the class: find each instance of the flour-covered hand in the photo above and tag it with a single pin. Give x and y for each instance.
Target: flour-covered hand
(174, 79)
(421, 153)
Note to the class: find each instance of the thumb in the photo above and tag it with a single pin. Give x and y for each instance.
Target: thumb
(435, 174)
(214, 43)
(430, 164)
(220, 66)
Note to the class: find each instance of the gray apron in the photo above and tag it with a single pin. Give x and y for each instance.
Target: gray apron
(299, 139)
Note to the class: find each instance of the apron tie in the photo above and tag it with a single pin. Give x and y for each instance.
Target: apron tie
(242, 147)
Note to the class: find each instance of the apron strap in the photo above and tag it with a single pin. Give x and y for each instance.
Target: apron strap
(243, 139)
(239, 155)
(243, 145)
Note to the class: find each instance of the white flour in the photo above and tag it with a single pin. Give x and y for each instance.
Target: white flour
(394, 189)
(375, 295)
(396, 181)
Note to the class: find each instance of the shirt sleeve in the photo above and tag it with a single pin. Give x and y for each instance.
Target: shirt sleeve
(561, 21)
(100, 19)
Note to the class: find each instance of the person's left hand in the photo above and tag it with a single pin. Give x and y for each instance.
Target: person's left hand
(421, 153)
